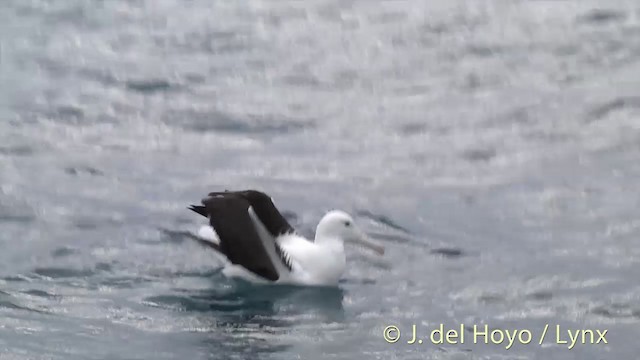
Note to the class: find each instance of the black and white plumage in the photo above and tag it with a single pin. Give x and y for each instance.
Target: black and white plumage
(259, 245)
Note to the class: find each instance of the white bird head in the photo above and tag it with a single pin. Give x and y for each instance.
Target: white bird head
(337, 224)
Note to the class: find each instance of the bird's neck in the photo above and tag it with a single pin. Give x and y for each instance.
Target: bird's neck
(330, 242)
(334, 245)
(334, 256)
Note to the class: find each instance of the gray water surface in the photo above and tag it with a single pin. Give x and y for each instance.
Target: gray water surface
(493, 147)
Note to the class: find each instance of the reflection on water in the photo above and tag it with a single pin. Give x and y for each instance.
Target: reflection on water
(254, 320)
(247, 301)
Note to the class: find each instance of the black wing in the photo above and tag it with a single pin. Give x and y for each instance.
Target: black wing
(264, 208)
(244, 240)
(262, 205)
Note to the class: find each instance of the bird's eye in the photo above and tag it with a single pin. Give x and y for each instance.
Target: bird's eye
(347, 223)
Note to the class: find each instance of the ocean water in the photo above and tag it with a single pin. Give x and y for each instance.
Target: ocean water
(492, 146)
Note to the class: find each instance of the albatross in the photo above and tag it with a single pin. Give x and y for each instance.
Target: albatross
(258, 245)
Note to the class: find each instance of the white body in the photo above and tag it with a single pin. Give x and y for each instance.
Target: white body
(312, 264)
(318, 263)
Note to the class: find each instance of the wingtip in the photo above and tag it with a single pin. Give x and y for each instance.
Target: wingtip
(201, 210)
